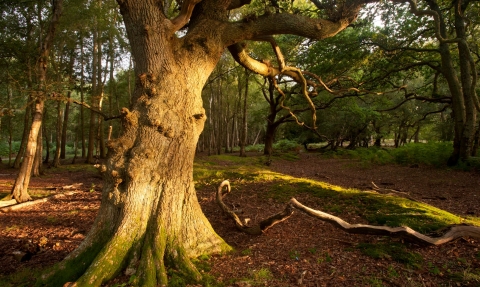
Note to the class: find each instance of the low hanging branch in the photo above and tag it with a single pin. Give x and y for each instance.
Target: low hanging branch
(404, 232)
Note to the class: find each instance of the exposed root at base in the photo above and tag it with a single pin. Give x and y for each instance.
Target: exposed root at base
(406, 233)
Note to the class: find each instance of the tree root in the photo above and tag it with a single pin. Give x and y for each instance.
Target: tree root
(406, 233)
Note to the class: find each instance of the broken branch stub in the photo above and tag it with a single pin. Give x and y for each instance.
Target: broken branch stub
(404, 232)
(252, 230)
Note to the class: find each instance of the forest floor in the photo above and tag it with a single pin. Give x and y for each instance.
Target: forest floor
(302, 251)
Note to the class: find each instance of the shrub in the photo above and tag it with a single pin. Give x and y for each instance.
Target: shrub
(285, 145)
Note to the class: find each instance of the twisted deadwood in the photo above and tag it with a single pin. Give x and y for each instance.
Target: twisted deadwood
(404, 232)
(252, 230)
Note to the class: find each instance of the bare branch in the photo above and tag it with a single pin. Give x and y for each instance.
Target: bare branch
(105, 117)
(252, 230)
(413, 96)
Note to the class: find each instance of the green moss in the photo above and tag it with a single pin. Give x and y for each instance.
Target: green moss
(70, 270)
(23, 277)
(392, 250)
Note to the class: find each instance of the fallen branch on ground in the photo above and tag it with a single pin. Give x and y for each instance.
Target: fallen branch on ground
(406, 233)
(30, 203)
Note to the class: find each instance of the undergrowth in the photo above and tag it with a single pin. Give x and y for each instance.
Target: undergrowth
(431, 154)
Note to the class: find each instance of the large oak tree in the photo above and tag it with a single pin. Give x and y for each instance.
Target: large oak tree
(150, 220)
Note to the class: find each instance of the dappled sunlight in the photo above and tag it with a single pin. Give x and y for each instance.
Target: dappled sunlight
(375, 208)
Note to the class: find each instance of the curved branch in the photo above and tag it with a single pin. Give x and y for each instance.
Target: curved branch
(402, 232)
(185, 14)
(406, 233)
(252, 230)
(284, 23)
(432, 13)
(446, 100)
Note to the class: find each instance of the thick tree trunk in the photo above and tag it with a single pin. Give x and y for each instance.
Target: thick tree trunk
(150, 219)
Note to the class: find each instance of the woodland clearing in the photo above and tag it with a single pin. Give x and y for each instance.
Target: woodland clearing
(302, 251)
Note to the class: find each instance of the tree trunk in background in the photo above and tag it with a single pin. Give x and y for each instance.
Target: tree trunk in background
(37, 168)
(65, 126)
(82, 98)
(270, 137)
(23, 143)
(58, 135)
(468, 86)
(30, 66)
(19, 191)
(47, 139)
(243, 141)
(96, 70)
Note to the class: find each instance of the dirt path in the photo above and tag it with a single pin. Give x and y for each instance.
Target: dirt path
(299, 252)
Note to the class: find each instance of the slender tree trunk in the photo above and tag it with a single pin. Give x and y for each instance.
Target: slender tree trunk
(19, 190)
(243, 141)
(96, 70)
(23, 143)
(82, 98)
(65, 126)
(37, 168)
(47, 139)
(58, 135)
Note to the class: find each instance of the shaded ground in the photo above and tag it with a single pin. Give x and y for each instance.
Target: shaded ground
(299, 252)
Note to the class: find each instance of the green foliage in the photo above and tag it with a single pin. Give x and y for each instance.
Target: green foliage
(286, 145)
(432, 153)
(391, 250)
(4, 149)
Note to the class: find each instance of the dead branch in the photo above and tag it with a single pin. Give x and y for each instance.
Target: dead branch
(252, 230)
(404, 232)
(29, 203)
(105, 117)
